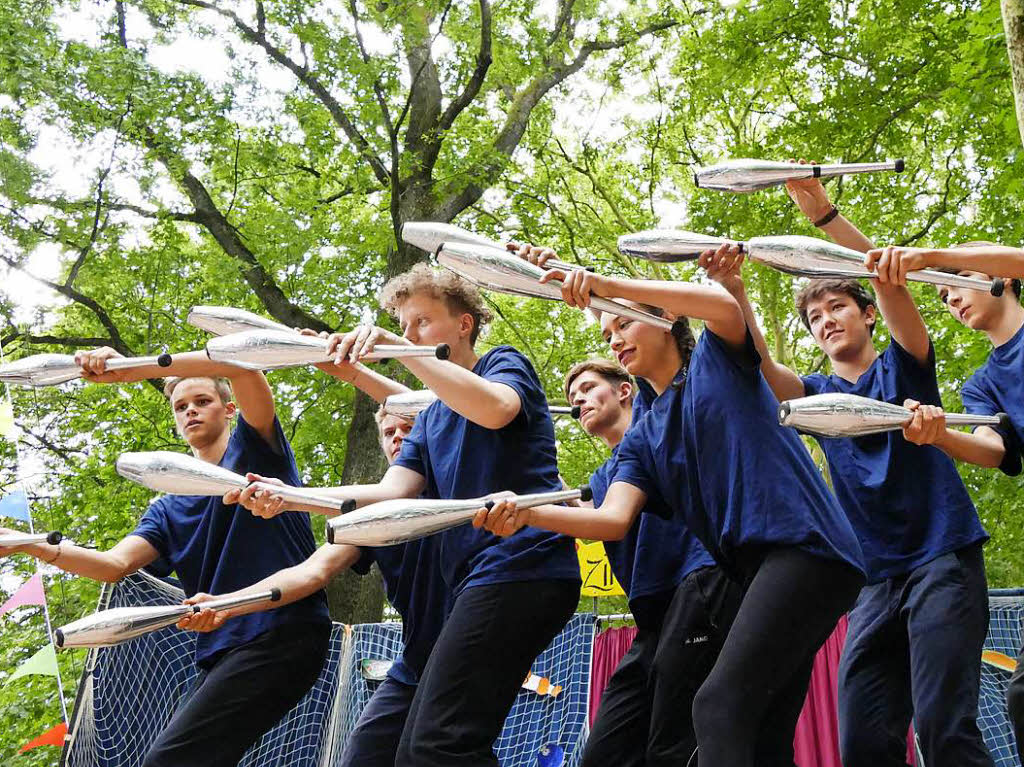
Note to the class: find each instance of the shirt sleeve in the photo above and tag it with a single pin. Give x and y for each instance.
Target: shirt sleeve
(511, 368)
(978, 402)
(633, 466)
(152, 528)
(365, 562)
(908, 366)
(745, 358)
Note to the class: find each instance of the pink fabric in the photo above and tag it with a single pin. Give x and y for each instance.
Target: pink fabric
(816, 742)
(30, 593)
(609, 647)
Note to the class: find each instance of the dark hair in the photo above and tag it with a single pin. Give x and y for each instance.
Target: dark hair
(815, 289)
(609, 370)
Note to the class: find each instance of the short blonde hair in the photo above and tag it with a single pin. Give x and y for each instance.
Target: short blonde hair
(609, 370)
(222, 385)
(459, 295)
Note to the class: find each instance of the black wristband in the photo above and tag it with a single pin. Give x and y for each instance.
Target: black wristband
(827, 217)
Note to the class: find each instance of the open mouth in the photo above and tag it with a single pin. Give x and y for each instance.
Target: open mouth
(624, 357)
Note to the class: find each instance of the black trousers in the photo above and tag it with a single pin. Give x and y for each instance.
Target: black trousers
(247, 691)
(746, 711)
(374, 741)
(645, 719)
(914, 649)
(484, 652)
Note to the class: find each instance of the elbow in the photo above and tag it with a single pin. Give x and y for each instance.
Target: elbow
(616, 531)
(501, 415)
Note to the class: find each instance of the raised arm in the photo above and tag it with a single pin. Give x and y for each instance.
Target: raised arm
(810, 196)
(397, 482)
(724, 267)
(295, 583)
(609, 522)
(993, 260)
(127, 556)
(715, 307)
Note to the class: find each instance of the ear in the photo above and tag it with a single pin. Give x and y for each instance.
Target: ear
(871, 314)
(465, 325)
(231, 409)
(625, 392)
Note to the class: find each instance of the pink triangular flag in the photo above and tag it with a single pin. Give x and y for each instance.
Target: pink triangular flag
(30, 593)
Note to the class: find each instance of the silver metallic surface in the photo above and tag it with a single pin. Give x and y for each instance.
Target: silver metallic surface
(179, 474)
(27, 539)
(411, 403)
(849, 415)
(275, 349)
(111, 627)
(224, 320)
(743, 175)
(406, 519)
(668, 245)
(431, 235)
(505, 273)
(54, 369)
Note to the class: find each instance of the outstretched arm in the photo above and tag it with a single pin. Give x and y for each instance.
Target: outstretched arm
(983, 447)
(993, 260)
(369, 382)
(609, 522)
(295, 583)
(129, 555)
(810, 196)
(724, 267)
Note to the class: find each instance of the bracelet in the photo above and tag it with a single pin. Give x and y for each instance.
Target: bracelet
(827, 218)
(55, 556)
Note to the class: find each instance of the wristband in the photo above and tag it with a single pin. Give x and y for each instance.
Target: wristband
(827, 218)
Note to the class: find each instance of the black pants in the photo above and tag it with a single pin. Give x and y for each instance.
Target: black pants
(746, 711)
(374, 741)
(914, 649)
(481, 658)
(247, 691)
(645, 714)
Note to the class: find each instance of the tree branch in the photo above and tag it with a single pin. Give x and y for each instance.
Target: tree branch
(476, 80)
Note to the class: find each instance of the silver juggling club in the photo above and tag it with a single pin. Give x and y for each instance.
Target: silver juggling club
(53, 369)
(224, 320)
(179, 474)
(27, 539)
(406, 519)
(794, 254)
(275, 349)
(849, 415)
(410, 404)
(111, 627)
(754, 175)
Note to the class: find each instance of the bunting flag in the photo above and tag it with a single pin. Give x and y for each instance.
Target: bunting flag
(43, 663)
(7, 421)
(15, 505)
(55, 736)
(30, 593)
(596, 571)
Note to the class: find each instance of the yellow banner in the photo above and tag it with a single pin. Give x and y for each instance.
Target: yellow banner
(598, 580)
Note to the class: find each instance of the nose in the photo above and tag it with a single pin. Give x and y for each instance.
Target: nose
(954, 299)
(616, 342)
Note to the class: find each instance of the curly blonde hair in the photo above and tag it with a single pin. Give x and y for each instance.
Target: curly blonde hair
(460, 296)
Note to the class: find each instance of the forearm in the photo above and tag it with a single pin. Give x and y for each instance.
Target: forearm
(603, 524)
(485, 403)
(298, 582)
(371, 383)
(183, 365)
(979, 449)
(103, 566)
(995, 260)
(713, 305)
(843, 232)
(397, 482)
(901, 314)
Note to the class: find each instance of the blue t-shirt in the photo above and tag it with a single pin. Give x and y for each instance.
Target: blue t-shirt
(906, 501)
(217, 549)
(461, 459)
(998, 387)
(415, 588)
(654, 556)
(711, 450)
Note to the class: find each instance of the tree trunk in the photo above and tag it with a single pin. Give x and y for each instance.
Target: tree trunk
(1013, 21)
(353, 598)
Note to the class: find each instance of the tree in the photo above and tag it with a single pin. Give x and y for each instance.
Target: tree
(1013, 20)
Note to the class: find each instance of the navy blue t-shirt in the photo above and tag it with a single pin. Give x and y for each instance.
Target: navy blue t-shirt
(216, 549)
(415, 588)
(998, 387)
(461, 459)
(711, 450)
(654, 556)
(906, 501)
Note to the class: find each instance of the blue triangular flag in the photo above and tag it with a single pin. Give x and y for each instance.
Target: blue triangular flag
(15, 505)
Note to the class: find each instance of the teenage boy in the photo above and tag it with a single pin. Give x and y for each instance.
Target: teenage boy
(913, 651)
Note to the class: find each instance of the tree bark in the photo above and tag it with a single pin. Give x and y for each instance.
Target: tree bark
(1013, 21)
(352, 598)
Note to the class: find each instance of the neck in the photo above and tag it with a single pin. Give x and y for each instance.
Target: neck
(853, 367)
(661, 377)
(462, 354)
(613, 434)
(1006, 327)
(214, 451)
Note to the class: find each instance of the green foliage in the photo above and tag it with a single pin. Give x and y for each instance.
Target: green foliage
(109, 140)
